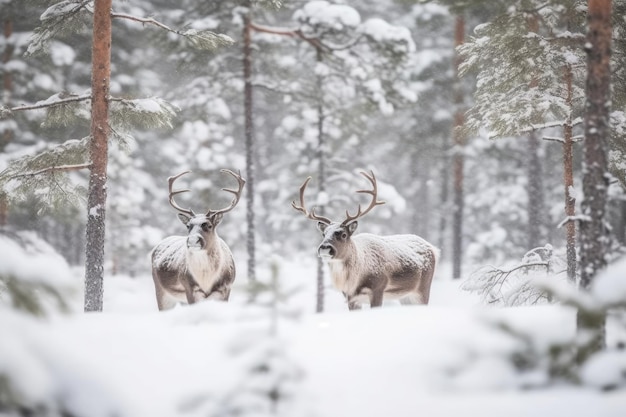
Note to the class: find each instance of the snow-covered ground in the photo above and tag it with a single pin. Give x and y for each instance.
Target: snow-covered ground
(217, 359)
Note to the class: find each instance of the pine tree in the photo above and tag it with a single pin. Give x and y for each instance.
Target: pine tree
(351, 59)
(528, 80)
(108, 115)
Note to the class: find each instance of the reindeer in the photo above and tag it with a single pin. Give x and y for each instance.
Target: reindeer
(200, 265)
(369, 268)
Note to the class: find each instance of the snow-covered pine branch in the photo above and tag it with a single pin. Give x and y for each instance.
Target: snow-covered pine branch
(149, 113)
(69, 16)
(60, 168)
(513, 286)
(274, 4)
(520, 72)
(54, 100)
(45, 174)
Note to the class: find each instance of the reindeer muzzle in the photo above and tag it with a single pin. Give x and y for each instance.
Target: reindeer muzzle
(326, 251)
(195, 242)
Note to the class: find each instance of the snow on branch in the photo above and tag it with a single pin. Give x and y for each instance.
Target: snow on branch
(60, 168)
(199, 39)
(275, 4)
(514, 286)
(577, 218)
(557, 123)
(55, 100)
(64, 17)
(44, 175)
(152, 112)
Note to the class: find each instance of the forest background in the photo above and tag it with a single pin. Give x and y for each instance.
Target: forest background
(477, 165)
(486, 132)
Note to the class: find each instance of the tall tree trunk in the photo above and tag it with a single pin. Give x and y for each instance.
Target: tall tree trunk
(536, 206)
(96, 202)
(6, 136)
(321, 160)
(420, 171)
(444, 193)
(249, 133)
(568, 182)
(593, 235)
(458, 158)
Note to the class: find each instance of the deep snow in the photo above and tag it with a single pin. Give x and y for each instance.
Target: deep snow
(446, 359)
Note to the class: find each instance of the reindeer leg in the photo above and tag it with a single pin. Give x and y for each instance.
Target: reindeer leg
(193, 291)
(221, 293)
(376, 298)
(354, 305)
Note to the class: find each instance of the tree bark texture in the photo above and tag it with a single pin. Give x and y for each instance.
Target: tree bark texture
(568, 181)
(96, 201)
(536, 206)
(321, 174)
(595, 181)
(593, 234)
(458, 158)
(6, 136)
(249, 138)
(444, 195)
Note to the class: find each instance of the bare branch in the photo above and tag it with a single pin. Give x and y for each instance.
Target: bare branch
(274, 31)
(200, 39)
(60, 168)
(553, 139)
(148, 21)
(315, 42)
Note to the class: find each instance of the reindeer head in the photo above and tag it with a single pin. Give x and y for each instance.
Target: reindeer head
(201, 227)
(336, 235)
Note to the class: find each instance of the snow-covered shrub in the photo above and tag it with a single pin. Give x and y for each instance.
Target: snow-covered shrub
(269, 381)
(269, 377)
(539, 354)
(34, 278)
(512, 286)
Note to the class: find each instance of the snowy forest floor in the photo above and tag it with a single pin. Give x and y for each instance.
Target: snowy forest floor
(216, 359)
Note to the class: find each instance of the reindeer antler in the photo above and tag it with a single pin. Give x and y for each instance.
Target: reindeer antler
(237, 193)
(302, 208)
(373, 192)
(170, 183)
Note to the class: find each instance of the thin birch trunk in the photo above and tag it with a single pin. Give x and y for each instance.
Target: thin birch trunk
(458, 160)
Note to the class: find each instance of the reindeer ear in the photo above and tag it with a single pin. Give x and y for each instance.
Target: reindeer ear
(216, 219)
(184, 218)
(351, 227)
(321, 226)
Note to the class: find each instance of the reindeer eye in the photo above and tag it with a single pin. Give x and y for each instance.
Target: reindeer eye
(206, 227)
(340, 235)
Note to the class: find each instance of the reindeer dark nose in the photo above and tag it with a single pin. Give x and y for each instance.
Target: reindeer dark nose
(326, 250)
(195, 241)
